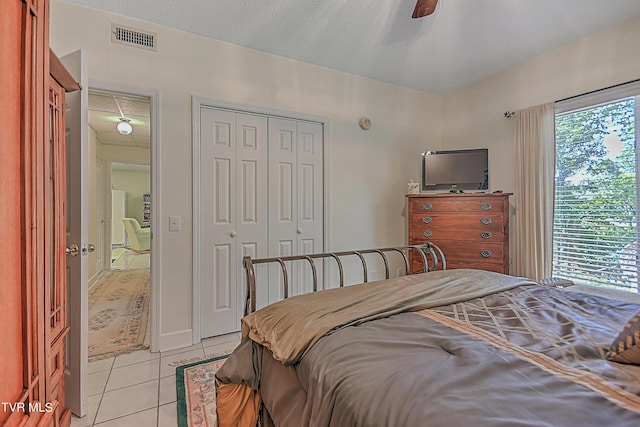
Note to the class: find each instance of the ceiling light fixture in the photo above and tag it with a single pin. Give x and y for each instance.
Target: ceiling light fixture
(124, 128)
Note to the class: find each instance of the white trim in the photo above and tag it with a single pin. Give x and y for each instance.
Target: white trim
(599, 97)
(197, 103)
(174, 340)
(94, 279)
(156, 279)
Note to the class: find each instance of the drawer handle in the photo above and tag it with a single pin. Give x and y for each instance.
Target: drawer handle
(427, 206)
(427, 219)
(485, 235)
(486, 253)
(485, 221)
(485, 206)
(427, 233)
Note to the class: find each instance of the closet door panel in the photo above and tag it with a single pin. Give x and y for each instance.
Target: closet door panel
(218, 302)
(283, 201)
(310, 199)
(252, 197)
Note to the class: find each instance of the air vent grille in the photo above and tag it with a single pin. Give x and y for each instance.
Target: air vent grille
(133, 37)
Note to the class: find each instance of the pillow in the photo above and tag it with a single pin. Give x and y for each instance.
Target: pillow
(626, 347)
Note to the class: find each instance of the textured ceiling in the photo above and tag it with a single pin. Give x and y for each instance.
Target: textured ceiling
(105, 110)
(462, 42)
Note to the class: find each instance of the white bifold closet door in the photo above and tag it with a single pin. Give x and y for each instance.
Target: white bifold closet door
(233, 183)
(295, 201)
(261, 194)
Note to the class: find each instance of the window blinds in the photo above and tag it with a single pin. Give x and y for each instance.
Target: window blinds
(596, 230)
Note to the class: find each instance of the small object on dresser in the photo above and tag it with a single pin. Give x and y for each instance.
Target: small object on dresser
(413, 187)
(556, 282)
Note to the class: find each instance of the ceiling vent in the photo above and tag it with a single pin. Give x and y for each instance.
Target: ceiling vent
(132, 37)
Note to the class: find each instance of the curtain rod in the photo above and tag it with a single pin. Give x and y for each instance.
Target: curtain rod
(597, 90)
(510, 114)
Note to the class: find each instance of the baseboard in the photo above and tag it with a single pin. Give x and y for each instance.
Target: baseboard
(175, 340)
(94, 279)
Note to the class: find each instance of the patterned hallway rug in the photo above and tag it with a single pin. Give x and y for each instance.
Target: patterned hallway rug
(118, 313)
(196, 392)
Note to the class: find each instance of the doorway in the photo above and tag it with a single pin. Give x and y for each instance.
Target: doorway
(119, 222)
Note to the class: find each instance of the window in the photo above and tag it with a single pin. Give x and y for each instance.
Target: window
(596, 231)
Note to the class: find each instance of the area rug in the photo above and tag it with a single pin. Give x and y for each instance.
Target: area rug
(118, 313)
(196, 392)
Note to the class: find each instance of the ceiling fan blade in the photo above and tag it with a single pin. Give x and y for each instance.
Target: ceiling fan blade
(424, 8)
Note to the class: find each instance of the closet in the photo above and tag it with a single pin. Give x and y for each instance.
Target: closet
(260, 194)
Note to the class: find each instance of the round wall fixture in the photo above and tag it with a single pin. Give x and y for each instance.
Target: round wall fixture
(365, 123)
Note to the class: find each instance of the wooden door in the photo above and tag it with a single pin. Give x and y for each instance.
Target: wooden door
(32, 251)
(55, 289)
(24, 67)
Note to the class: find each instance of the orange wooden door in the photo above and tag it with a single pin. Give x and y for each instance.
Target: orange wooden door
(24, 67)
(55, 252)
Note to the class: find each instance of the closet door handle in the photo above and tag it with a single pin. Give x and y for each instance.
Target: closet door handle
(232, 234)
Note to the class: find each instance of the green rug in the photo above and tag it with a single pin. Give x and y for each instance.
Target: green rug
(196, 392)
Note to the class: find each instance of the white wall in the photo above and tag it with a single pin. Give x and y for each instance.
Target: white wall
(136, 184)
(368, 171)
(473, 116)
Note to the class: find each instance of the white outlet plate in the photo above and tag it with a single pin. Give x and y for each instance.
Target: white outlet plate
(174, 223)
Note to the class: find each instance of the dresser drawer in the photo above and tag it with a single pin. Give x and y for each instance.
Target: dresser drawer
(457, 226)
(467, 255)
(488, 266)
(472, 252)
(432, 234)
(453, 204)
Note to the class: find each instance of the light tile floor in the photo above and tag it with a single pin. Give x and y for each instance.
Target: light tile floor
(123, 259)
(139, 389)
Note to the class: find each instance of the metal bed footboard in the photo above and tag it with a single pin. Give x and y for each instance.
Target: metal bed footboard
(426, 251)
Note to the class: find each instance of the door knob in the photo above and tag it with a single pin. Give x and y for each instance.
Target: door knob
(299, 231)
(91, 247)
(73, 250)
(232, 234)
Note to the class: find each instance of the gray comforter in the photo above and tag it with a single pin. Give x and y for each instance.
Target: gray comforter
(529, 356)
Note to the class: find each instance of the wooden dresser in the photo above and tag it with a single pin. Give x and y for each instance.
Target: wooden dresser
(471, 229)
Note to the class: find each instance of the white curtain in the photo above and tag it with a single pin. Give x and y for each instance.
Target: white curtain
(534, 195)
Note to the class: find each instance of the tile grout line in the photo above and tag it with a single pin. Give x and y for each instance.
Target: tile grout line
(159, 388)
(95, 417)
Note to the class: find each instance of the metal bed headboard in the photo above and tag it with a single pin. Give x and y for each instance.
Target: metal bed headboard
(425, 250)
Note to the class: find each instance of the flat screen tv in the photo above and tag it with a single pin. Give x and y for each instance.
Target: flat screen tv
(454, 170)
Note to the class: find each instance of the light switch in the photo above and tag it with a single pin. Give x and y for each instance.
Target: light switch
(174, 223)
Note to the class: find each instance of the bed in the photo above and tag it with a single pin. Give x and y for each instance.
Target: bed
(439, 348)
